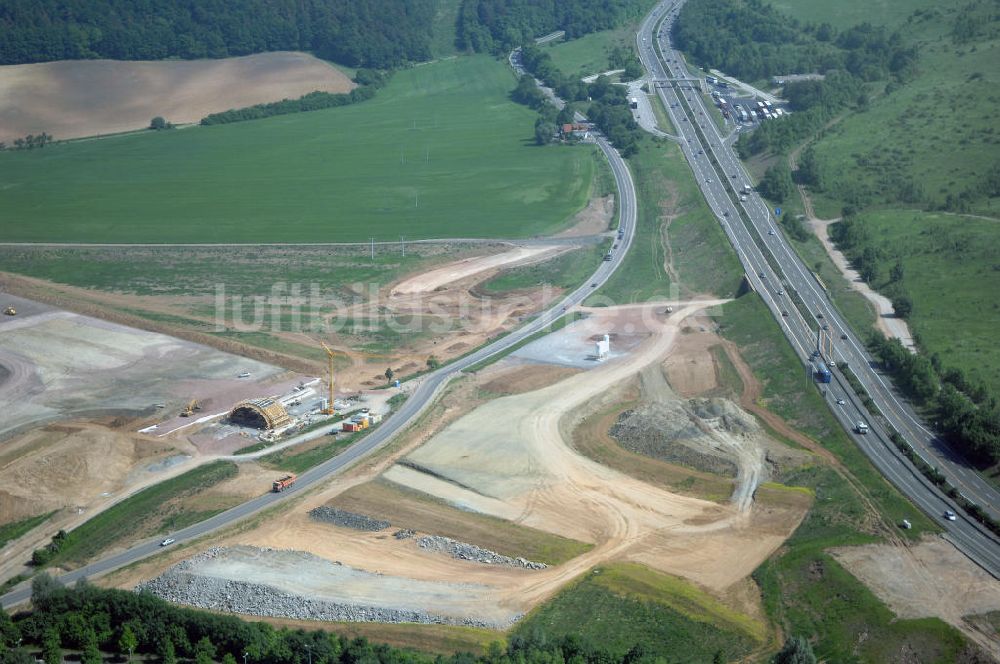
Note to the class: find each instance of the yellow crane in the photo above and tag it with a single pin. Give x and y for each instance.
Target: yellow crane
(329, 410)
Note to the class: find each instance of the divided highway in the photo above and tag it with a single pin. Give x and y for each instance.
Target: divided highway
(773, 267)
(425, 392)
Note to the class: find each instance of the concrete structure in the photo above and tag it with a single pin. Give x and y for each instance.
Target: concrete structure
(602, 348)
(266, 413)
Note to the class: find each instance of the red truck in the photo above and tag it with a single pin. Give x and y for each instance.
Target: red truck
(284, 483)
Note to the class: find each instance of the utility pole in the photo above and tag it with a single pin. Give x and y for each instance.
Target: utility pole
(402, 243)
(245, 655)
(309, 651)
(416, 199)
(373, 249)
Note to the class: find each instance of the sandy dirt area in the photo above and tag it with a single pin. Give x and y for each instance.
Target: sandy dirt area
(508, 459)
(433, 280)
(62, 365)
(75, 98)
(593, 219)
(929, 579)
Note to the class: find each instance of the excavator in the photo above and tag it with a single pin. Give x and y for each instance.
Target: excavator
(190, 408)
(10, 311)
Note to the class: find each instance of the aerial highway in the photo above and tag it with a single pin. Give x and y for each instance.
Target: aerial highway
(772, 268)
(424, 393)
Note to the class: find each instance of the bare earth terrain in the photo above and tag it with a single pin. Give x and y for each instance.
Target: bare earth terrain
(930, 579)
(507, 459)
(75, 98)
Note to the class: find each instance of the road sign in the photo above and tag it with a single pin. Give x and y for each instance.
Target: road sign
(777, 212)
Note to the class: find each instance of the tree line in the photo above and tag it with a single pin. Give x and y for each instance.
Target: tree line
(608, 102)
(370, 33)
(498, 26)
(967, 412)
(29, 142)
(95, 620)
(369, 81)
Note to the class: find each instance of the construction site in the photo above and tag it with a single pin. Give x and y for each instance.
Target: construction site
(492, 506)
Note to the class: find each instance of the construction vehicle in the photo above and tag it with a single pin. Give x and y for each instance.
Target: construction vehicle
(285, 482)
(190, 408)
(10, 311)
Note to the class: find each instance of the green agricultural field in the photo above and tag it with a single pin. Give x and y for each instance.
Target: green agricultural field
(952, 274)
(440, 152)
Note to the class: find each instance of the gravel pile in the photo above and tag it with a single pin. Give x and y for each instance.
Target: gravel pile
(181, 585)
(403, 534)
(464, 551)
(348, 519)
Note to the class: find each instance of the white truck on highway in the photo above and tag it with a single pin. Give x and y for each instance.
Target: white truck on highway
(861, 428)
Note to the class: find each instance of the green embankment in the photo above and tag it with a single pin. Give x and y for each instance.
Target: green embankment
(16, 529)
(671, 214)
(440, 152)
(622, 605)
(149, 510)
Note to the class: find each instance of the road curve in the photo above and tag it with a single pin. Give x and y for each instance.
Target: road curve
(773, 267)
(428, 387)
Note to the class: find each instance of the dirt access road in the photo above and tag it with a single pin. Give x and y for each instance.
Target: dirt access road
(509, 459)
(891, 325)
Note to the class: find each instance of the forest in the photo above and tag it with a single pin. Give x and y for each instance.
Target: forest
(752, 40)
(371, 33)
(497, 26)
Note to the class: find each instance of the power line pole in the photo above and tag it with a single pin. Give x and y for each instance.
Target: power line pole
(402, 243)
(373, 249)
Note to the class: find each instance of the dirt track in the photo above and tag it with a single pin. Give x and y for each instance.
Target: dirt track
(508, 458)
(429, 282)
(70, 99)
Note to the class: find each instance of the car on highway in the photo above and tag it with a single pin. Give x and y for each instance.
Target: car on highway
(709, 180)
(843, 337)
(784, 313)
(760, 274)
(840, 402)
(948, 514)
(168, 541)
(770, 232)
(725, 213)
(781, 291)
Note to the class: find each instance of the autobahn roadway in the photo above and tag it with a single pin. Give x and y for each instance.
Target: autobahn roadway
(424, 393)
(752, 232)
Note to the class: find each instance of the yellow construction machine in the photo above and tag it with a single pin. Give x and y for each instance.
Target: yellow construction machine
(10, 311)
(190, 408)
